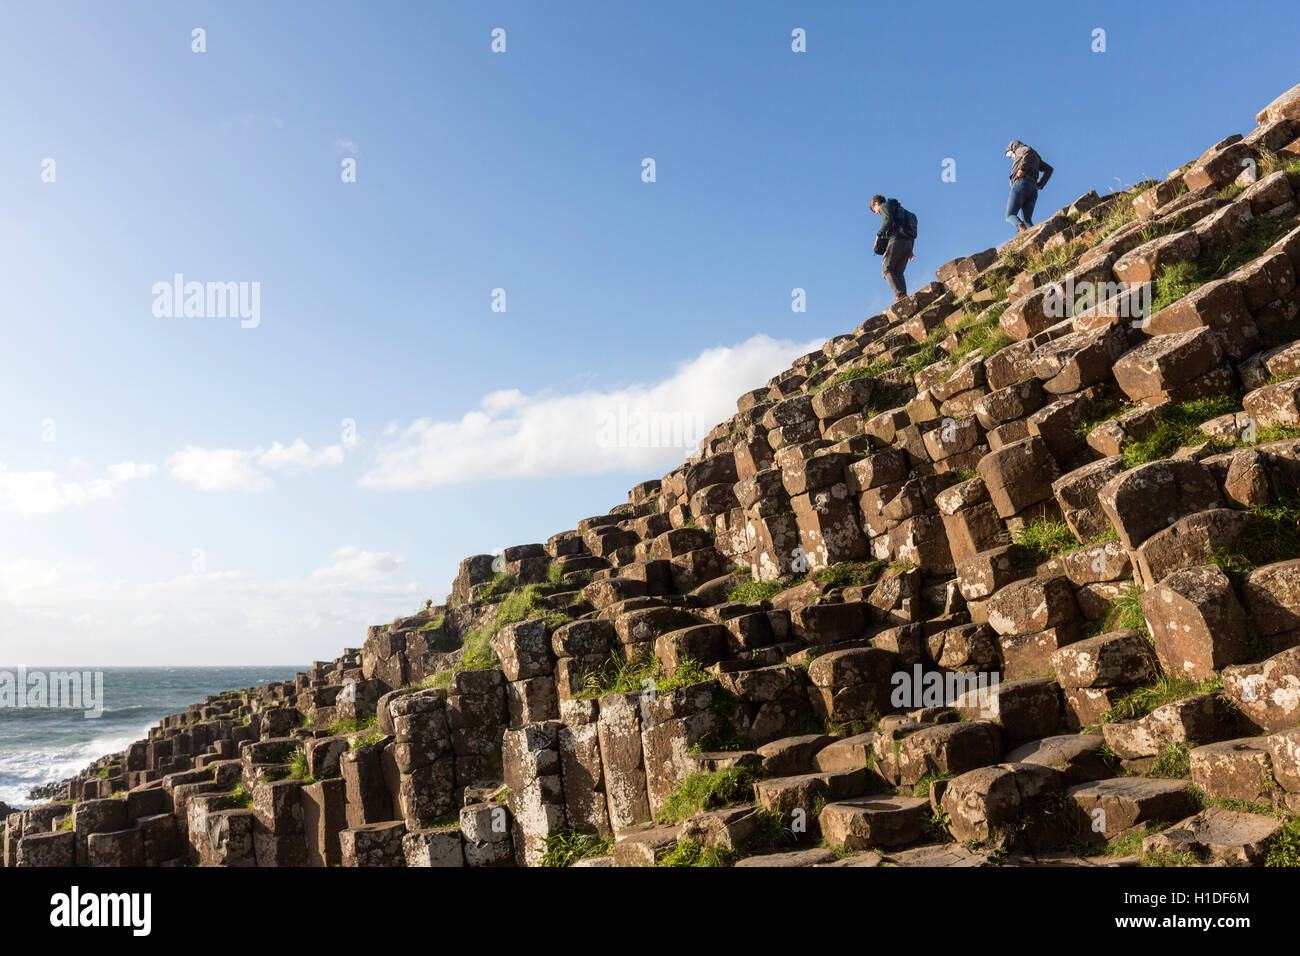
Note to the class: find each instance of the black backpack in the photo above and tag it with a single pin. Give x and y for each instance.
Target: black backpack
(906, 223)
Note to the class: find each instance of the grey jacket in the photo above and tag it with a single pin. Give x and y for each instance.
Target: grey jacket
(1025, 158)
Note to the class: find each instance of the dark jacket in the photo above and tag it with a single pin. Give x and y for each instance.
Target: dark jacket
(890, 218)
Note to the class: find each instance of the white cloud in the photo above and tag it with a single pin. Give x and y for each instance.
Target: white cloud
(649, 427)
(347, 146)
(31, 493)
(131, 471)
(236, 469)
(219, 469)
(353, 564)
(301, 455)
(67, 614)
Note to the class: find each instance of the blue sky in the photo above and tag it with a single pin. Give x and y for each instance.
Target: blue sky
(477, 171)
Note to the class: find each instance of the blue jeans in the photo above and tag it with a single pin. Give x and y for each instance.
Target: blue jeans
(1020, 204)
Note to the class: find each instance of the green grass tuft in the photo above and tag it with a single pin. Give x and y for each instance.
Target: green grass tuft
(1123, 615)
(851, 574)
(707, 791)
(1042, 540)
(1173, 762)
(755, 592)
(1165, 690)
(568, 847)
(690, 853)
(1285, 847)
(1177, 426)
(617, 676)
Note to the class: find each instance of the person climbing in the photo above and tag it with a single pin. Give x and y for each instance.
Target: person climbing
(894, 241)
(1026, 169)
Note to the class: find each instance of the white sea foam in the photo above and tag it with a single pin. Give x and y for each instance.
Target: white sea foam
(20, 770)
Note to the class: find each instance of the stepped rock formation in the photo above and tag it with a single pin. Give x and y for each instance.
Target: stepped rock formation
(1009, 572)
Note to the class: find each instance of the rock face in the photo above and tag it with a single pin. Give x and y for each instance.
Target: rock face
(882, 604)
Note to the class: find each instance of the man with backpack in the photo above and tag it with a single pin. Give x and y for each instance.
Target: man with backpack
(1028, 175)
(894, 241)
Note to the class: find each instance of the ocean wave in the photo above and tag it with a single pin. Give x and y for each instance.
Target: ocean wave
(21, 770)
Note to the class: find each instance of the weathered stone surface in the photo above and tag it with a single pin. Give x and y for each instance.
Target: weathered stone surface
(982, 574)
(1108, 660)
(1010, 403)
(728, 828)
(1144, 263)
(1267, 692)
(851, 684)
(373, 844)
(829, 623)
(849, 753)
(1284, 755)
(1077, 493)
(790, 858)
(1188, 542)
(1075, 361)
(1166, 362)
(967, 647)
(1030, 655)
(1079, 757)
(1277, 404)
(324, 816)
(1143, 500)
(485, 830)
(1217, 835)
(1196, 719)
(524, 649)
(47, 849)
(906, 752)
(1024, 709)
(980, 802)
(619, 728)
(436, 847)
(1126, 802)
(828, 526)
(804, 791)
(1232, 769)
(874, 822)
(1196, 622)
(1018, 475)
(1031, 605)
(1272, 595)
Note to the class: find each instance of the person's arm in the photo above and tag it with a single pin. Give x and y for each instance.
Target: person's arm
(886, 221)
(1044, 173)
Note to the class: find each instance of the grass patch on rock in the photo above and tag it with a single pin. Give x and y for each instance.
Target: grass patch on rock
(708, 791)
(1165, 690)
(1177, 425)
(568, 847)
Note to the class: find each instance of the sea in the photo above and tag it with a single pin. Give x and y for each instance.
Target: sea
(45, 745)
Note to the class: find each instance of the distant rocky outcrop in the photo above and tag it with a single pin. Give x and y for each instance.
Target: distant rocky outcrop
(1010, 572)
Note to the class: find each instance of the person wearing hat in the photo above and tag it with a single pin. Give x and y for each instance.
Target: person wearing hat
(1028, 175)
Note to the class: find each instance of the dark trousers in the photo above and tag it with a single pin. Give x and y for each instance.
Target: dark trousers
(897, 253)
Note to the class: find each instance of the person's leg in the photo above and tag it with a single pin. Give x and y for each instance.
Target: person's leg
(895, 259)
(1030, 200)
(1013, 204)
(904, 254)
(887, 265)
